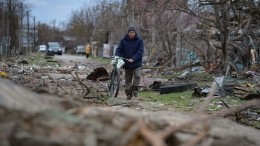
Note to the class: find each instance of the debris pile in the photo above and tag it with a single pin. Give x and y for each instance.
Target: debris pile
(66, 80)
(36, 119)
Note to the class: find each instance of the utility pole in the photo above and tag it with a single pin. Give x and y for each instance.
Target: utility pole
(9, 5)
(3, 27)
(44, 31)
(34, 38)
(20, 30)
(123, 8)
(28, 32)
(132, 13)
(153, 30)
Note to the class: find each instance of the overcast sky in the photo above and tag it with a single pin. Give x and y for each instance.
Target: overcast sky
(47, 10)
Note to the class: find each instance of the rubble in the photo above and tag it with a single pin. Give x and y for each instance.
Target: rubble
(45, 77)
(3, 74)
(177, 87)
(251, 96)
(38, 119)
(243, 90)
(185, 75)
(61, 111)
(23, 62)
(156, 85)
(256, 79)
(57, 80)
(201, 91)
(99, 74)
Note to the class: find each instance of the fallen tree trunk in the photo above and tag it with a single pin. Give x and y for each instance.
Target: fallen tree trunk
(28, 119)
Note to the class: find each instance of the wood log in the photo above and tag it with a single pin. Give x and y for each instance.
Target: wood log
(28, 118)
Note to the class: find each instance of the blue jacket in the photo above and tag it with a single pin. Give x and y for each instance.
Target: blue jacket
(131, 49)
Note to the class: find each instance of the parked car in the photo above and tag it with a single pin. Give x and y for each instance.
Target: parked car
(53, 48)
(80, 49)
(42, 48)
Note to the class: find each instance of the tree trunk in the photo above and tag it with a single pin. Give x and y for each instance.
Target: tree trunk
(221, 22)
(224, 37)
(178, 42)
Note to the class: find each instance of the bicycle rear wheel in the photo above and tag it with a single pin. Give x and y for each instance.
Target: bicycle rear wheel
(114, 83)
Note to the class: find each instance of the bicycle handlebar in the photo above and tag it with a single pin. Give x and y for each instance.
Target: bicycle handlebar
(113, 57)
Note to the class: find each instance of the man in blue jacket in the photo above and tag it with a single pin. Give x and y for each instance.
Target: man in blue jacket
(131, 47)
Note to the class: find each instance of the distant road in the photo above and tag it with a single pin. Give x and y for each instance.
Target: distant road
(74, 58)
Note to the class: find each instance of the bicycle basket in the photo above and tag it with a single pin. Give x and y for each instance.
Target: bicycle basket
(120, 63)
(114, 61)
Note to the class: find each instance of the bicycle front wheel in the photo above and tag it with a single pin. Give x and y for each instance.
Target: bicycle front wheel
(114, 83)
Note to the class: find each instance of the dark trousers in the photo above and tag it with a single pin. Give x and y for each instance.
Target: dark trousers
(87, 55)
(132, 80)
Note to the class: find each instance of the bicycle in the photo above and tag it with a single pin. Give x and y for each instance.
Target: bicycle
(114, 84)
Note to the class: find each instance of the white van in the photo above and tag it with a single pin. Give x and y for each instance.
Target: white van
(42, 48)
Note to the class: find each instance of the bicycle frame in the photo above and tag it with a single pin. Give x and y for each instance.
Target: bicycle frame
(114, 84)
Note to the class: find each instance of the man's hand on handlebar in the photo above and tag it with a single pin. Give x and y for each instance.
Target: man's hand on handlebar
(130, 60)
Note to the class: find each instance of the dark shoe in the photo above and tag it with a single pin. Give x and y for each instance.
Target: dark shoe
(135, 90)
(129, 97)
(135, 94)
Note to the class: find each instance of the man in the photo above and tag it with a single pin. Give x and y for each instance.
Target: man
(88, 50)
(131, 48)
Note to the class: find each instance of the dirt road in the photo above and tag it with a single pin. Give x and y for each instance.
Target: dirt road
(67, 59)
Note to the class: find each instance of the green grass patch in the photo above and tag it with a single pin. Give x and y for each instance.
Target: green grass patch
(101, 60)
(255, 124)
(216, 103)
(39, 59)
(183, 101)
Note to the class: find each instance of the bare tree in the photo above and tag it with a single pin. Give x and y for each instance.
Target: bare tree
(101, 22)
(228, 27)
(12, 14)
(235, 25)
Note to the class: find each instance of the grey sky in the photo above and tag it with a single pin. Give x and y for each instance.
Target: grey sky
(60, 10)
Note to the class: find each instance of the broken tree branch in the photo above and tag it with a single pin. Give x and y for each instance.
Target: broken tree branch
(85, 88)
(242, 89)
(207, 142)
(161, 67)
(233, 110)
(133, 130)
(152, 137)
(58, 85)
(171, 130)
(79, 81)
(197, 139)
(243, 32)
